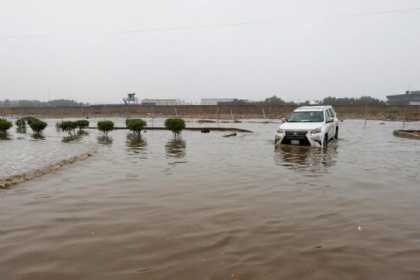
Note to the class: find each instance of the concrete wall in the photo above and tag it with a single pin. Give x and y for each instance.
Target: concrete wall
(214, 112)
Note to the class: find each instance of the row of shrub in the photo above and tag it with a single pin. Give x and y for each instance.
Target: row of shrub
(136, 126)
(35, 124)
(71, 126)
(176, 125)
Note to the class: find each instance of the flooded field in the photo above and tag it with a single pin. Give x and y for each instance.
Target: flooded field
(208, 207)
(22, 152)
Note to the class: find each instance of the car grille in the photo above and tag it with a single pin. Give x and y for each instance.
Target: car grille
(296, 135)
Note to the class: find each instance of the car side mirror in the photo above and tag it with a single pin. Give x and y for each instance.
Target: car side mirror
(330, 120)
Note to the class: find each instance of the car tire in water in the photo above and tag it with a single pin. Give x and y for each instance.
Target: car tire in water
(336, 134)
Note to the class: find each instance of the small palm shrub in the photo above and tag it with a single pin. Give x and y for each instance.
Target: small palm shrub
(37, 125)
(176, 125)
(4, 126)
(136, 125)
(106, 126)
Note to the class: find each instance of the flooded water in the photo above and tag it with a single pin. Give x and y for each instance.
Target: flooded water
(22, 152)
(208, 207)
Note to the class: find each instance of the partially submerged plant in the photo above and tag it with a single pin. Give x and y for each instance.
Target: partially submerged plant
(176, 125)
(20, 123)
(37, 125)
(106, 126)
(68, 126)
(20, 126)
(136, 126)
(29, 120)
(5, 125)
(82, 124)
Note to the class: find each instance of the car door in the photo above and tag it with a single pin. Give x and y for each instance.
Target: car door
(330, 124)
(335, 124)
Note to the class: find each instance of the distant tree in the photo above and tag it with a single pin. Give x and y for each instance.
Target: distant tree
(37, 103)
(275, 100)
(371, 100)
(63, 103)
(7, 103)
(233, 102)
(27, 103)
(364, 100)
(305, 103)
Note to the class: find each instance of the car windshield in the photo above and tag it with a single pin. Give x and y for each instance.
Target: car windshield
(308, 116)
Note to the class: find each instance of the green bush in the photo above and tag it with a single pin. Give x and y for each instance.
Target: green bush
(20, 123)
(5, 125)
(82, 124)
(175, 125)
(135, 125)
(29, 120)
(68, 126)
(106, 126)
(37, 125)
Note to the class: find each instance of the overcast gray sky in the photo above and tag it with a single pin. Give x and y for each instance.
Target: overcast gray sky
(98, 50)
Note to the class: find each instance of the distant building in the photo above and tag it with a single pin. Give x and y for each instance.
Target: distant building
(409, 98)
(220, 101)
(131, 99)
(161, 102)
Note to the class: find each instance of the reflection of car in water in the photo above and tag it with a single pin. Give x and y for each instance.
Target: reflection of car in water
(305, 158)
(309, 126)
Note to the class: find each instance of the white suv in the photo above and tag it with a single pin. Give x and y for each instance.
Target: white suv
(309, 125)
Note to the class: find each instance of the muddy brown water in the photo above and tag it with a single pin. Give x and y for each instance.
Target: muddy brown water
(208, 207)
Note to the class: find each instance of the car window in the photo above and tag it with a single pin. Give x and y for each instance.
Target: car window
(327, 114)
(306, 116)
(330, 114)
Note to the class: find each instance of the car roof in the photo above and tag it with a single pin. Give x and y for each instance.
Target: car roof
(312, 108)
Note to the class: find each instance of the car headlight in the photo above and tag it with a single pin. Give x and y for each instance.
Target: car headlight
(280, 131)
(316, 130)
